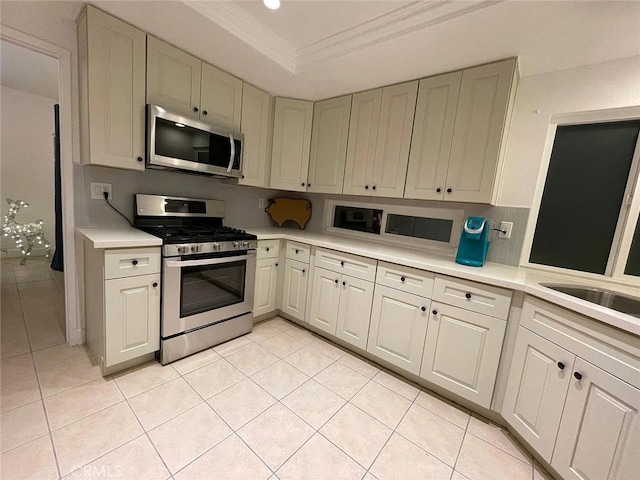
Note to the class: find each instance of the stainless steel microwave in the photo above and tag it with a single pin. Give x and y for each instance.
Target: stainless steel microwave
(181, 143)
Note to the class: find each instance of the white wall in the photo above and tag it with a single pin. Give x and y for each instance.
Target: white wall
(592, 87)
(27, 158)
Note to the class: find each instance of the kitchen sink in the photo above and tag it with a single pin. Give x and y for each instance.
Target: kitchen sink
(600, 296)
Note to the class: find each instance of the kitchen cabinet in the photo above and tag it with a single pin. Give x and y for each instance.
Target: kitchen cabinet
(573, 393)
(111, 65)
(325, 300)
(398, 327)
(122, 305)
(329, 135)
(267, 268)
(291, 144)
(184, 84)
(294, 293)
(379, 140)
(257, 127)
(462, 351)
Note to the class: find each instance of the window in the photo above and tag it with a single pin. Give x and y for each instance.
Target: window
(587, 219)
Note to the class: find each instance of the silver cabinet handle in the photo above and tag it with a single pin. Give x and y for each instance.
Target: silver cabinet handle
(233, 153)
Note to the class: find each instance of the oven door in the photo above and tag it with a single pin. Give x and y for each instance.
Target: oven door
(197, 293)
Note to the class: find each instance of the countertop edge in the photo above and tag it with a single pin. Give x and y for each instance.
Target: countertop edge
(117, 237)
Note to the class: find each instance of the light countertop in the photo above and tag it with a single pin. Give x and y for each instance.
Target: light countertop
(522, 279)
(118, 237)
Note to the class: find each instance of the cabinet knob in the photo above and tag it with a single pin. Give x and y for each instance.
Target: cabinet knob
(561, 365)
(438, 190)
(402, 279)
(155, 284)
(467, 295)
(424, 309)
(134, 262)
(344, 284)
(303, 184)
(303, 270)
(297, 251)
(578, 375)
(276, 264)
(195, 109)
(308, 184)
(242, 176)
(342, 264)
(449, 190)
(205, 112)
(435, 312)
(374, 187)
(139, 159)
(267, 249)
(366, 187)
(336, 280)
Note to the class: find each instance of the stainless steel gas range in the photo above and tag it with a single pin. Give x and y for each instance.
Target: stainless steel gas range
(208, 273)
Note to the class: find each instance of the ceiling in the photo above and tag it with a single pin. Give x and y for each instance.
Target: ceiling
(29, 71)
(318, 49)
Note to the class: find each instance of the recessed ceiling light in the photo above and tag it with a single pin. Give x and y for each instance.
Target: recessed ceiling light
(272, 4)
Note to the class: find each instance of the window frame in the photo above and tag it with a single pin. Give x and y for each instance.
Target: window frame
(456, 215)
(627, 217)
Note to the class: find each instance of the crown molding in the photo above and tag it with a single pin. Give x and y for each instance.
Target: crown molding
(240, 23)
(415, 16)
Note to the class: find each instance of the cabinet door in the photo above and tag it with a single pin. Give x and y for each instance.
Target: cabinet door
(294, 292)
(264, 297)
(115, 86)
(394, 139)
(432, 135)
(329, 145)
(354, 314)
(536, 390)
(462, 352)
(257, 127)
(220, 98)
(480, 123)
(291, 144)
(398, 327)
(132, 317)
(173, 78)
(599, 434)
(323, 310)
(361, 146)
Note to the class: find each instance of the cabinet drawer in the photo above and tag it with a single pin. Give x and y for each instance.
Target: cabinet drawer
(130, 262)
(298, 251)
(407, 279)
(268, 249)
(359, 267)
(473, 296)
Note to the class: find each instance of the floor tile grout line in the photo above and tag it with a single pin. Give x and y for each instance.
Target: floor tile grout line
(499, 448)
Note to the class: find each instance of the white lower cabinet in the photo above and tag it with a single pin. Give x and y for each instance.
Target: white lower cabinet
(398, 327)
(264, 297)
(325, 300)
(462, 352)
(132, 312)
(294, 292)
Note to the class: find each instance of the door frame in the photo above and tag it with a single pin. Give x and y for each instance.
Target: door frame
(69, 149)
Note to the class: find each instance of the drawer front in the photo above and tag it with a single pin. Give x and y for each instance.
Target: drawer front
(353, 265)
(410, 280)
(130, 262)
(298, 251)
(268, 249)
(477, 297)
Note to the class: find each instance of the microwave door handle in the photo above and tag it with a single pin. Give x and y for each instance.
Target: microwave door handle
(233, 153)
(207, 261)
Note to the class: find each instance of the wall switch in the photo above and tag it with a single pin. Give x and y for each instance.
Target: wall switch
(506, 229)
(261, 203)
(98, 189)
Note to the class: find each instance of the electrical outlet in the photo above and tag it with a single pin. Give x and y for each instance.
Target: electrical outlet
(506, 228)
(98, 189)
(261, 203)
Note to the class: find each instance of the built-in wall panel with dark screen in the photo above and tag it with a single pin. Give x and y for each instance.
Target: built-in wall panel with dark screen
(583, 195)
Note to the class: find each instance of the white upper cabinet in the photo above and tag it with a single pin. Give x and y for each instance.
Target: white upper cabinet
(184, 84)
(329, 145)
(394, 138)
(361, 147)
(257, 127)
(291, 144)
(379, 139)
(111, 64)
(486, 96)
(432, 135)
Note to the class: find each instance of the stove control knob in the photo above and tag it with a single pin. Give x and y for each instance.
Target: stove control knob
(245, 244)
(215, 246)
(236, 244)
(196, 248)
(182, 249)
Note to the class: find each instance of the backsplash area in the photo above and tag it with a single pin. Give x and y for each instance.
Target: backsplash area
(242, 203)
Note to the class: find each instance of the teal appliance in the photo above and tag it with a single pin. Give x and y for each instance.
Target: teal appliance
(474, 242)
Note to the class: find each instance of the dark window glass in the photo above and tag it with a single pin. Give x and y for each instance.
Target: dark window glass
(633, 261)
(209, 287)
(583, 194)
(419, 227)
(358, 219)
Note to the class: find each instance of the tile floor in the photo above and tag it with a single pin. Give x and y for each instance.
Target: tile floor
(277, 403)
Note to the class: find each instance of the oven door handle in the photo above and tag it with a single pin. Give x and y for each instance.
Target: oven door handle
(207, 261)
